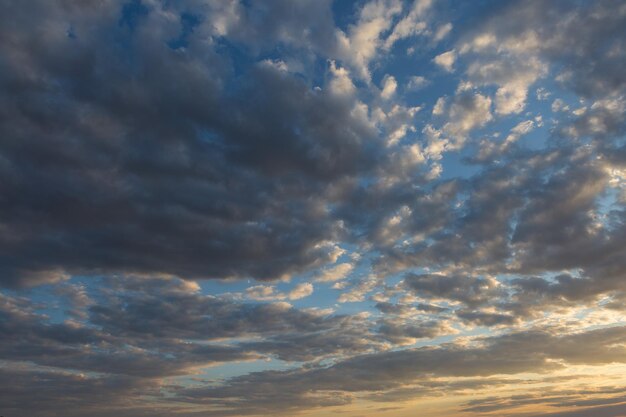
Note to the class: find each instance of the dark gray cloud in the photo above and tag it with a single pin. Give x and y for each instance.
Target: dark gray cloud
(599, 399)
(30, 336)
(483, 318)
(142, 331)
(145, 162)
(162, 327)
(533, 351)
(406, 332)
(586, 41)
(172, 343)
(611, 410)
(469, 290)
(401, 309)
(72, 394)
(540, 212)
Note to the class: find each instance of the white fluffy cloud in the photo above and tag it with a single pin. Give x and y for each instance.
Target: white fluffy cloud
(269, 293)
(446, 60)
(335, 273)
(389, 87)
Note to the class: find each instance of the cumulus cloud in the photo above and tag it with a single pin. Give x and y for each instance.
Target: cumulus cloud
(467, 112)
(416, 82)
(389, 87)
(268, 292)
(469, 290)
(360, 45)
(439, 106)
(157, 176)
(446, 60)
(410, 25)
(513, 78)
(335, 273)
(591, 71)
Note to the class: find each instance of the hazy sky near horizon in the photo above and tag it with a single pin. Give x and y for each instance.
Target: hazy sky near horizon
(312, 207)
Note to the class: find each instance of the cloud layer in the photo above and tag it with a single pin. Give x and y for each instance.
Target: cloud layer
(265, 208)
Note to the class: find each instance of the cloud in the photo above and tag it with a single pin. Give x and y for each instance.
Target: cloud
(439, 106)
(155, 328)
(532, 351)
(513, 78)
(411, 25)
(335, 273)
(360, 45)
(469, 290)
(446, 60)
(267, 292)
(482, 318)
(489, 149)
(408, 332)
(590, 71)
(156, 176)
(389, 87)
(300, 291)
(466, 112)
(150, 146)
(416, 82)
(442, 31)
(75, 393)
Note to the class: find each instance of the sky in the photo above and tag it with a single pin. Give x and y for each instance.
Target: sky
(312, 208)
